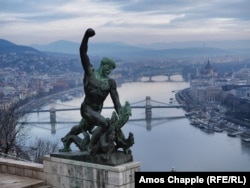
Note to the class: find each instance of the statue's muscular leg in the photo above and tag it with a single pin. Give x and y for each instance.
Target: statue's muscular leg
(97, 119)
(75, 130)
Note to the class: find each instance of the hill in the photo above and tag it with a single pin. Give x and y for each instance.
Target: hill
(63, 46)
(121, 50)
(9, 47)
(153, 51)
(226, 44)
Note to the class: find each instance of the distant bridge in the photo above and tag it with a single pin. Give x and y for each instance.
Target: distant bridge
(147, 106)
(107, 107)
(164, 72)
(67, 124)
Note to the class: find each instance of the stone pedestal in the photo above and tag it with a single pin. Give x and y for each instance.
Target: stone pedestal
(117, 157)
(66, 173)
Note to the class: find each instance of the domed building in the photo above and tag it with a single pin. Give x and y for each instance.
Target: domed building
(208, 70)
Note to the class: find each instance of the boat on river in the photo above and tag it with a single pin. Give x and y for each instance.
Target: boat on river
(245, 139)
(218, 129)
(206, 125)
(190, 114)
(234, 134)
(195, 122)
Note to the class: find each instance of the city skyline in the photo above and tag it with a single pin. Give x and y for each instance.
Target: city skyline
(131, 22)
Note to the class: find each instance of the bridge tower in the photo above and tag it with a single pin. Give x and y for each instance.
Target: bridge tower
(169, 77)
(52, 112)
(150, 79)
(148, 112)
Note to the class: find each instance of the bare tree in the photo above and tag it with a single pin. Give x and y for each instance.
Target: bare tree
(13, 132)
(42, 147)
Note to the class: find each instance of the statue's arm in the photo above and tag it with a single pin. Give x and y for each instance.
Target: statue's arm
(115, 96)
(84, 49)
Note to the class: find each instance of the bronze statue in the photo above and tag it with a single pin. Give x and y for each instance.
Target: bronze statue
(101, 135)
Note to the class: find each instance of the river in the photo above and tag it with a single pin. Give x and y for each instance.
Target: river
(167, 143)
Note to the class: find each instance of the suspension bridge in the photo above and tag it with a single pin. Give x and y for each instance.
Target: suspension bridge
(148, 104)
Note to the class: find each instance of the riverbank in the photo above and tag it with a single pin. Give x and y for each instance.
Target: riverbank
(37, 103)
(184, 97)
(212, 120)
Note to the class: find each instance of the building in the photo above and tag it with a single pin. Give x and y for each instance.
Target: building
(206, 93)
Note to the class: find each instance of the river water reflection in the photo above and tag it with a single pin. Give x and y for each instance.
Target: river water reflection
(167, 143)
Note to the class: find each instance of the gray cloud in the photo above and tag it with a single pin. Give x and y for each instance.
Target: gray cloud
(199, 9)
(194, 11)
(206, 9)
(32, 10)
(158, 18)
(24, 6)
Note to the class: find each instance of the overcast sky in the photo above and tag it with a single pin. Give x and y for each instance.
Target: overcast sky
(130, 21)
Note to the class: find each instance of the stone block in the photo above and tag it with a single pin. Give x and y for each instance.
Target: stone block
(116, 158)
(60, 173)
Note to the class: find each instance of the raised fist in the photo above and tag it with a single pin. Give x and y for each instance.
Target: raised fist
(90, 32)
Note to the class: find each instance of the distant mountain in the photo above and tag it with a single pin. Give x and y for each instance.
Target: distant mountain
(5, 43)
(9, 47)
(190, 52)
(60, 46)
(152, 51)
(101, 49)
(233, 44)
(181, 53)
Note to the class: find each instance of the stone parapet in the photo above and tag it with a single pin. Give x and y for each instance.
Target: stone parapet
(65, 173)
(22, 168)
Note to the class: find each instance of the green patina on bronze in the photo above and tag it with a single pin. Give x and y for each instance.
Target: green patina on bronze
(103, 138)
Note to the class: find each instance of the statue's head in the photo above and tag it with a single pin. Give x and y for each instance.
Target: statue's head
(108, 61)
(107, 65)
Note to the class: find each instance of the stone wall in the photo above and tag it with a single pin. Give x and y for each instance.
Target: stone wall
(22, 168)
(64, 173)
